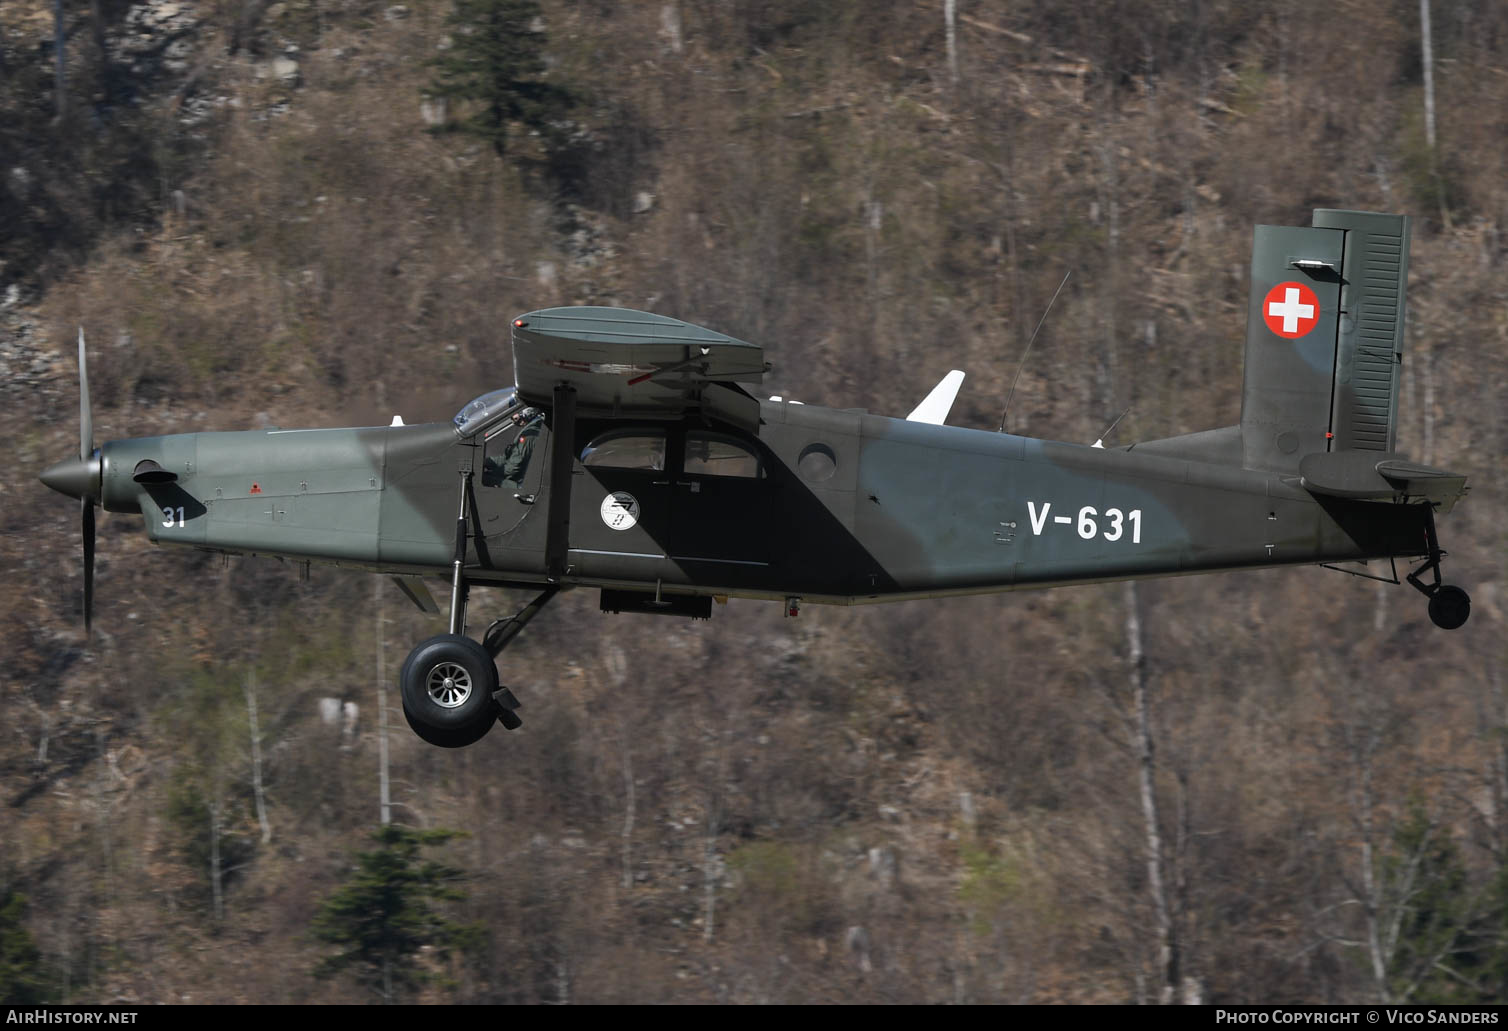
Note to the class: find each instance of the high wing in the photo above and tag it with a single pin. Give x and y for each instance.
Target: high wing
(625, 362)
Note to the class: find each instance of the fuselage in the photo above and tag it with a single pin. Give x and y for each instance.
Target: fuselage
(826, 505)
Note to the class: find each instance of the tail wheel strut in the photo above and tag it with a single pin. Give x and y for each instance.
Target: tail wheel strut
(1449, 605)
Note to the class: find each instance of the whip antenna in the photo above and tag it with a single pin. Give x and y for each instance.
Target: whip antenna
(1100, 440)
(1028, 350)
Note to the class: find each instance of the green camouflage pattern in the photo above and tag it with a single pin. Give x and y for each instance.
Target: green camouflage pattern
(841, 506)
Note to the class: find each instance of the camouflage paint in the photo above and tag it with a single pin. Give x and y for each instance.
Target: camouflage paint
(850, 507)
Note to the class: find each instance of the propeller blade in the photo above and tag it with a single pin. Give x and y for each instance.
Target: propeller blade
(86, 421)
(86, 503)
(86, 511)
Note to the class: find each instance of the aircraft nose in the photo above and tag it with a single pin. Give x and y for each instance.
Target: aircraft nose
(76, 477)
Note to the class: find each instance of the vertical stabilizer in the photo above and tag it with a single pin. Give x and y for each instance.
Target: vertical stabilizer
(1324, 338)
(1291, 323)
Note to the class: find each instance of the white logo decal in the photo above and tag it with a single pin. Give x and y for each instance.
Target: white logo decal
(620, 511)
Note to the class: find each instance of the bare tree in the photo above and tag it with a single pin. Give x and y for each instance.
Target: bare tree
(60, 74)
(614, 663)
(628, 812)
(256, 756)
(711, 872)
(1363, 733)
(97, 27)
(216, 867)
(1168, 952)
(950, 21)
(1428, 52)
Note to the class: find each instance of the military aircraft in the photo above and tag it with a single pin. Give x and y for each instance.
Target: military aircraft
(631, 456)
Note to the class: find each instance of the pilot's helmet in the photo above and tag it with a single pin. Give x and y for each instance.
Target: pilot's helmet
(524, 416)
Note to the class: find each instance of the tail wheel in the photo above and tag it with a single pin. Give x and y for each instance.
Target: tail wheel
(447, 684)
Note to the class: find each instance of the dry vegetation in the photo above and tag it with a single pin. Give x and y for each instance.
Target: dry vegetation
(918, 803)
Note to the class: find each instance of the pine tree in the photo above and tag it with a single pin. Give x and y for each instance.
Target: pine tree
(383, 917)
(1451, 936)
(494, 70)
(21, 981)
(1432, 910)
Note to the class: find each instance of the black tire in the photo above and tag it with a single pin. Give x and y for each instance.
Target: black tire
(1449, 607)
(448, 738)
(447, 684)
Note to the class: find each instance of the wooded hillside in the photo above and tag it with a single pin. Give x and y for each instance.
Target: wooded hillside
(288, 214)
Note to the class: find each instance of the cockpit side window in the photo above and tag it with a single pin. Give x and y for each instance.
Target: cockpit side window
(509, 466)
(712, 454)
(626, 449)
(485, 410)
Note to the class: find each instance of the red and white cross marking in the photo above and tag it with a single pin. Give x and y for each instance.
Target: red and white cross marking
(1290, 310)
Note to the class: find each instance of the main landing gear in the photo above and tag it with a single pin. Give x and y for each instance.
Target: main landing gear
(451, 695)
(1449, 606)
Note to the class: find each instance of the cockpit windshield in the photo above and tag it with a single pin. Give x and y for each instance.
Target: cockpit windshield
(488, 408)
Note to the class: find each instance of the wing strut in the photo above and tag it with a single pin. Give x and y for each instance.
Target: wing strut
(562, 456)
(414, 590)
(500, 633)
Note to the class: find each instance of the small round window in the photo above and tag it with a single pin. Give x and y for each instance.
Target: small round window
(818, 462)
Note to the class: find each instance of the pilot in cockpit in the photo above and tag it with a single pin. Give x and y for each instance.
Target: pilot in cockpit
(509, 468)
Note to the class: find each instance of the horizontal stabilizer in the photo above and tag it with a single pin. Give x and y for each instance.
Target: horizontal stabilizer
(1369, 476)
(936, 405)
(1439, 486)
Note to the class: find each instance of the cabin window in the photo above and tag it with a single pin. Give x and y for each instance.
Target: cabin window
(711, 454)
(817, 463)
(632, 449)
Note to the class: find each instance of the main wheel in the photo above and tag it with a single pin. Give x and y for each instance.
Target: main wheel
(1449, 607)
(447, 684)
(448, 738)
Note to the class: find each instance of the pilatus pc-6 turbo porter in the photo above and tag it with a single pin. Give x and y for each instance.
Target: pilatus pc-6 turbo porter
(632, 456)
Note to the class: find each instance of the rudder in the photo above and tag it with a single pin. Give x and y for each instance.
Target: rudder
(1369, 350)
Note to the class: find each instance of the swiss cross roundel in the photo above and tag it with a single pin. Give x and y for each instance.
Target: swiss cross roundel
(1290, 310)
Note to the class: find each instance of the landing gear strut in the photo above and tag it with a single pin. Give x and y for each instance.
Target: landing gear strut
(451, 695)
(1449, 606)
